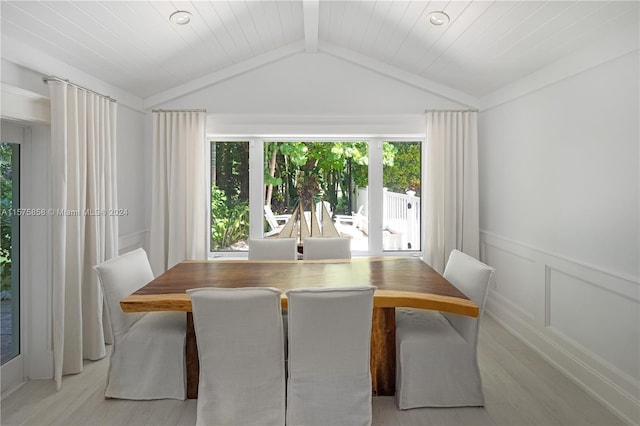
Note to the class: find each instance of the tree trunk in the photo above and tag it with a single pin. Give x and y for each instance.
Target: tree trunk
(272, 170)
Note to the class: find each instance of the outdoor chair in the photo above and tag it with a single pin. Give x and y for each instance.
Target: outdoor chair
(276, 222)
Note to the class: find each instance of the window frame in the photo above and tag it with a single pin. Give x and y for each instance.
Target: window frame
(375, 193)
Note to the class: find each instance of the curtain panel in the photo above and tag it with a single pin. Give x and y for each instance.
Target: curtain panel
(179, 189)
(83, 233)
(452, 216)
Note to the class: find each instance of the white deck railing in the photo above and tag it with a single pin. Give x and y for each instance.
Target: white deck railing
(401, 219)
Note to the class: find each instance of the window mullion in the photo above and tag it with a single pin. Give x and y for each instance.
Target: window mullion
(256, 185)
(375, 197)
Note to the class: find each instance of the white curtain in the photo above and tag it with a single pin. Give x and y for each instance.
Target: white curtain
(452, 216)
(84, 228)
(179, 189)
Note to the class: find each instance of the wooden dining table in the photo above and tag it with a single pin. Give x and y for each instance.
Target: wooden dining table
(399, 282)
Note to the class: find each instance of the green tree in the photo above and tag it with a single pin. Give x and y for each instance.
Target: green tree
(229, 194)
(317, 171)
(229, 225)
(403, 173)
(6, 203)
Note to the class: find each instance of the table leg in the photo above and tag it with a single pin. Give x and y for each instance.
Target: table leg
(191, 359)
(383, 352)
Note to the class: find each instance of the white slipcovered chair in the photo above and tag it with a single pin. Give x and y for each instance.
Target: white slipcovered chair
(329, 379)
(436, 353)
(273, 249)
(316, 248)
(148, 355)
(241, 353)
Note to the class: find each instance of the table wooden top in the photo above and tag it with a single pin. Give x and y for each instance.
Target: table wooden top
(399, 282)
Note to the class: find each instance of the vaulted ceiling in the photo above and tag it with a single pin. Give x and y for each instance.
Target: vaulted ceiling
(486, 45)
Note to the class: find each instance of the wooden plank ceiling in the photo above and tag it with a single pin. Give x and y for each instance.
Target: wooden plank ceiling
(486, 45)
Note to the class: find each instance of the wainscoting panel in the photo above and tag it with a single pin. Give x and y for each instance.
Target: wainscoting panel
(514, 278)
(584, 320)
(596, 319)
(132, 241)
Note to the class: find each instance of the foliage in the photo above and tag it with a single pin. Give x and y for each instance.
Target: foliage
(230, 169)
(5, 219)
(299, 170)
(229, 220)
(406, 175)
(314, 171)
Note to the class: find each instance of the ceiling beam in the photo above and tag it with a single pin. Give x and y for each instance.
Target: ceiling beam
(311, 11)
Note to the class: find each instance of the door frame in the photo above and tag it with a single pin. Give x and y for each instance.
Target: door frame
(13, 372)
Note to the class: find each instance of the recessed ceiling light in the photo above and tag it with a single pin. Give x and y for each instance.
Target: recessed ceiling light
(438, 18)
(181, 17)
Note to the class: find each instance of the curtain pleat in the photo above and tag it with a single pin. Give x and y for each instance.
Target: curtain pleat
(84, 230)
(452, 219)
(179, 189)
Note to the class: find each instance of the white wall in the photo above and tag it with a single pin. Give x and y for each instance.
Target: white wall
(132, 188)
(312, 84)
(559, 210)
(311, 94)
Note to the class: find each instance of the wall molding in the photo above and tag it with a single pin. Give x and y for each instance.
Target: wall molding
(224, 74)
(301, 125)
(300, 47)
(569, 263)
(618, 45)
(23, 105)
(132, 241)
(608, 383)
(398, 74)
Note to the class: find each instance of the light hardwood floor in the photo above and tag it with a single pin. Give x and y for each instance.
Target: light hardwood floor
(520, 389)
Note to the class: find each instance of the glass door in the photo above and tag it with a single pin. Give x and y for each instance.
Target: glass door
(9, 251)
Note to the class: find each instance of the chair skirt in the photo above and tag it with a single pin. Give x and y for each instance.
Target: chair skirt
(436, 367)
(139, 369)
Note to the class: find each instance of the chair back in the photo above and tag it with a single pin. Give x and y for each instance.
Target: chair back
(241, 353)
(273, 249)
(471, 277)
(320, 210)
(119, 277)
(270, 217)
(329, 350)
(316, 248)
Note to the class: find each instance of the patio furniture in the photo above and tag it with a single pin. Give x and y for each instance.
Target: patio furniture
(347, 224)
(276, 222)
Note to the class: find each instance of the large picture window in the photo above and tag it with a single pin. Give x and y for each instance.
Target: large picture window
(370, 190)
